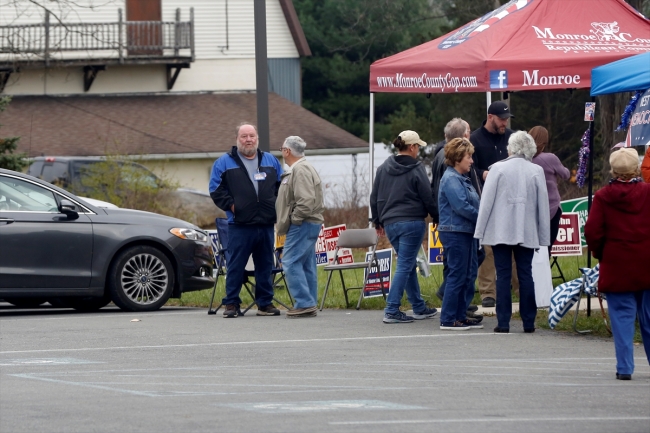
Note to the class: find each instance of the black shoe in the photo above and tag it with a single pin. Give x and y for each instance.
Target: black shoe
(529, 330)
(269, 310)
(231, 311)
(623, 376)
(501, 330)
(472, 308)
(488, 302)
(474, 316)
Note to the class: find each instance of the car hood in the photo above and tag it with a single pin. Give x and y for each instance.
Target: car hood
(141, 217)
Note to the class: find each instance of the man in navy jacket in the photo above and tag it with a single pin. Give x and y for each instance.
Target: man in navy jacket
(244, 183)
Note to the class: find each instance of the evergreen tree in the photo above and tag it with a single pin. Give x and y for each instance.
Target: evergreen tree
(9, 159)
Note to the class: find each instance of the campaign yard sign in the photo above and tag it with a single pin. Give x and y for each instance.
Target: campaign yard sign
(380, 276)
(214, 240)
(568, 242)
(579, 206)
(435, 246)
(326, 245)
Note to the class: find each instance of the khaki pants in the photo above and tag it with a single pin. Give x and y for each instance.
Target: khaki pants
(487, 276)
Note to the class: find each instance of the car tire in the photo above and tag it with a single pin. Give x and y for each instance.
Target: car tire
(141, 278)
(88, 303)
(25, 302)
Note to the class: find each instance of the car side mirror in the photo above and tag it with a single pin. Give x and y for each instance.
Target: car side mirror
(69, 209)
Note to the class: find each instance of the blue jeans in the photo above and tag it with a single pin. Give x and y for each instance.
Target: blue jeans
(461, 251)
(503, 264)
(299, 263)
(406, 238)
(623, 309)
(242, 241)
(480, 256)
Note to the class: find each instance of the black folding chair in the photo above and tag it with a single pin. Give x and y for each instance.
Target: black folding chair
(220, 244)
(249, 284)
(354, 238)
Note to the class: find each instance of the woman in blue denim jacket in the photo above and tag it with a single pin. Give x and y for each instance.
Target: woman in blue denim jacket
(458, 204)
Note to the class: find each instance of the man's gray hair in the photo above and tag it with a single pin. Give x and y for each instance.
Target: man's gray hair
(455, 128)
(296, 145)
(522, 143)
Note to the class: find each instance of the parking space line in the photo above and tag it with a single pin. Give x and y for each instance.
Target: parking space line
(492, 420)
(236, 343)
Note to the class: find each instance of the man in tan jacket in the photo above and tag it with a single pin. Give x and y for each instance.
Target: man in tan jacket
(299, 209)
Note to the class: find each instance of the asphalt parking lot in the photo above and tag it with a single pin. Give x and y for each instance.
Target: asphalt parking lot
(180, 370)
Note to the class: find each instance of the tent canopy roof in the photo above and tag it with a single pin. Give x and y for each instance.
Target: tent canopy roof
(626, 75)
(523, 45)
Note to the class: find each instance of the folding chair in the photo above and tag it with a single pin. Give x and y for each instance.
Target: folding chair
(278, 273)
(250, 285)
(353, 238)
(589, 286)
(219, 258)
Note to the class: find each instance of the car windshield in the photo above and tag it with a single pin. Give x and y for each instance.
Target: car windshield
(18, 195)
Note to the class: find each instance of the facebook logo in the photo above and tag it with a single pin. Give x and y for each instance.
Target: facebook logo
(498, 79)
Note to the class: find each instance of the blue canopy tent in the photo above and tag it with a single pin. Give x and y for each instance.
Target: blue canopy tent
(626, 75)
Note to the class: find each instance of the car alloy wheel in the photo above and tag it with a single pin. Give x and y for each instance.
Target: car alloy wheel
(141, 279)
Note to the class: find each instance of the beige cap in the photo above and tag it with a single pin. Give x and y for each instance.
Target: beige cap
(624, 160)
(411, 137)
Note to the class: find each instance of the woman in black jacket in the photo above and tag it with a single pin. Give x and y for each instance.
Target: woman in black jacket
(399, 202)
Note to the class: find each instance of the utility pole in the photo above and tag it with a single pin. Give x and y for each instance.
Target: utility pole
(261, 76)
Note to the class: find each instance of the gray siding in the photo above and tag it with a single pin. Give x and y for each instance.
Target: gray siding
(284, 79)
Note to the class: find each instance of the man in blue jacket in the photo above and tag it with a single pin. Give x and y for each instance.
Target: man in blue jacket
(244, 183)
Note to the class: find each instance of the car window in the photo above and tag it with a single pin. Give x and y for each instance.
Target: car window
(56, 172)
(35, 169)
(21, 196)
(136, 174)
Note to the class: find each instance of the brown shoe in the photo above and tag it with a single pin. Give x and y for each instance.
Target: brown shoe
(302, 312)
(269, 310)
(299, 316)
(231, 311)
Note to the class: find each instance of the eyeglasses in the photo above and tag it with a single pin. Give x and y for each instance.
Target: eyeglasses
(282, 148)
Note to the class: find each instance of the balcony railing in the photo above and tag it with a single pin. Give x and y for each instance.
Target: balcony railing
(120, 41)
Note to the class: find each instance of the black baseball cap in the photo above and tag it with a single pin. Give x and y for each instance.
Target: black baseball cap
(501, 109)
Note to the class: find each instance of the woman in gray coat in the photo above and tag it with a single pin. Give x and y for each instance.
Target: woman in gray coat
(513, 219)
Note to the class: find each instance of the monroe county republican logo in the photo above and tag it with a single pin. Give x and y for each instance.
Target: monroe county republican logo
(602, 37)
(481, 24)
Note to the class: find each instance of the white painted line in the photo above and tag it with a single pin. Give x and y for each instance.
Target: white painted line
(236, 343)
(492, 420)
(118, 314)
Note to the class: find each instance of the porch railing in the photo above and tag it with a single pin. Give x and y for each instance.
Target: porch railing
(53, 40)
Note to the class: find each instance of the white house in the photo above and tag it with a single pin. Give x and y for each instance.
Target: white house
(167, 80)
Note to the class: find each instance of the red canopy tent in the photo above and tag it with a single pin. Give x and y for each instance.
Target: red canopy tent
(523, 45)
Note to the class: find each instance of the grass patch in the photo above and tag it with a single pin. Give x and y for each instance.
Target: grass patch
(595, 323)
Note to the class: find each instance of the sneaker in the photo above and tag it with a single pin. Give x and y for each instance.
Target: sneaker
(269, 310)
(301, 315)
(623, 376)
(398, 317)
(473, 324)
(477, 317)
(529, 330)
(301, 311)
(472, 308)
(499, 330)
(231, 311)
(488, 302)
(456, 326)
(426, 314)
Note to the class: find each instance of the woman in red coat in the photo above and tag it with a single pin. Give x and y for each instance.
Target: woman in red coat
(618, 235)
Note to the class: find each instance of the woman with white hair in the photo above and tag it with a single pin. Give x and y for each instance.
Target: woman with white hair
(513, 219)
(618, 235)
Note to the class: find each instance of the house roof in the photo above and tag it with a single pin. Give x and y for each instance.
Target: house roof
(173, 125)
(295, 28)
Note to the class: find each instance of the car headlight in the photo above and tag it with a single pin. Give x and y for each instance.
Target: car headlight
(191, 234)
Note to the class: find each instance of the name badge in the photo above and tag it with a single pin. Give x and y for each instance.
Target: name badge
(259, 176)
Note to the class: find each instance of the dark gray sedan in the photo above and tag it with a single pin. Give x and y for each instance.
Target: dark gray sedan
(57, 247)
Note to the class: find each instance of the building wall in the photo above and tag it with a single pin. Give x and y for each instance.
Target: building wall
(222, 64)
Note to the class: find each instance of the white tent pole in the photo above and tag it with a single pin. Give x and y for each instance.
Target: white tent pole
(371, 149)
(488, 100)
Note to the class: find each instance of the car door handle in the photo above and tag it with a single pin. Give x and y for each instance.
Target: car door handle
(6, 221)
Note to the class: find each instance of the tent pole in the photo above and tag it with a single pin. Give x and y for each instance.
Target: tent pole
(488, 100)
(590, 190)
(371, 150)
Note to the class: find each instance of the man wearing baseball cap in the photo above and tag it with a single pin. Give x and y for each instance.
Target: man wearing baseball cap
(490, 146)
